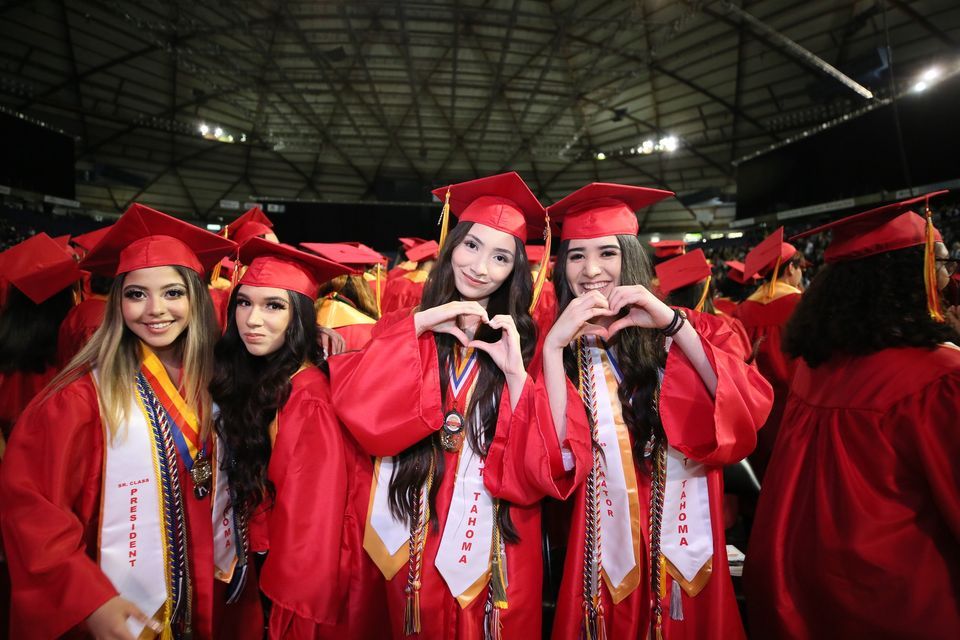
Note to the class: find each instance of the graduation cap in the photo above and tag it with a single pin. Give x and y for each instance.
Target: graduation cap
(345, 253)
(668, 248)
(251, 224)
(735, 272)
(284, 267)
(428, 249)
(683, 271)
(144, 237)
(887, 228)
(602, 209)
(87, 241)
(40, 267)
(769, 255)
(534, 252)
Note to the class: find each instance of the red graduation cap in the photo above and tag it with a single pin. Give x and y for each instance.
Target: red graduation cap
(251, 224)
(144, 237)
(735, 270)
(603, 209)
(88, 241)
(887, 228)
(40, 267)
(503, 202)
(772, 253)
(284, 267)
(409, 243)
(683, 271)
(535, 252)
(427, 249)
(345, 253)
(669, 248)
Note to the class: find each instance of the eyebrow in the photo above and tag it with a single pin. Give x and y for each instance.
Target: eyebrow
(163, 288)
(601, 248)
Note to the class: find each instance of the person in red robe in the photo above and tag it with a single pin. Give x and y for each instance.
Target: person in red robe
(448, 408)
(764, 315)
(857, 532)
(83, 320)
(685, 281)
(405, 289)
(275, 418)
(670, 401)
(70, 516)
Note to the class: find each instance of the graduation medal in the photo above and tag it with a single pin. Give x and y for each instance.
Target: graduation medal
(202, 475)
(451, 435)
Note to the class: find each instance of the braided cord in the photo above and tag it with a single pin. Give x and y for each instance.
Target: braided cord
(657, 489)
(418, 538)
(593, 627)
(178, 565)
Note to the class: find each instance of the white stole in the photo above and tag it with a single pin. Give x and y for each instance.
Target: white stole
(686, 538)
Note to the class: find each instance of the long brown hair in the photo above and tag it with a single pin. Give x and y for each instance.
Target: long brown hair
(513, 298)
(114, 351)
(640, 352)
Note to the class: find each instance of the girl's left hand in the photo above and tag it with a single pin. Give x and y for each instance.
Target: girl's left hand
(645, 309)
(505, 352)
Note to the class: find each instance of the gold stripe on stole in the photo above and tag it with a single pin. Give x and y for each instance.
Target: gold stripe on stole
(388, 564)
(632, 580)
(695, 586)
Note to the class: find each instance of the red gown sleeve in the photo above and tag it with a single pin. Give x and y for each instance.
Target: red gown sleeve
(50, 487)
(524, 463)
(310, 472)
(713, 430)
(388, 394)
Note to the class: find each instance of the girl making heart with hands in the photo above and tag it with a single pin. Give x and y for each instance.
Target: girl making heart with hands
(668, 402)
(442, 396)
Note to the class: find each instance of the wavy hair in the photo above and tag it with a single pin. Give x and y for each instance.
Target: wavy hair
(513, 298)
(114, 350)
(640, 352)
(249, 390)
(839, 315)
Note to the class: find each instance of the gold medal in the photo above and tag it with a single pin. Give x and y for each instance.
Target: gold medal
(202, 475)
(451, 434)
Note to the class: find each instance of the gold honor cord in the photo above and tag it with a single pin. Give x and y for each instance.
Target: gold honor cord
(930, 268)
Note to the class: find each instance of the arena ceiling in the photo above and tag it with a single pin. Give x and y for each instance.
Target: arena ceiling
(378, 101)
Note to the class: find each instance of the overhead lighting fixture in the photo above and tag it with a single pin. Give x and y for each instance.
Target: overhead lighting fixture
(920, 86)
(654, 238)
(204, 129)
(735, 234)
(601, 156)
(214, 227)
(218, 132)
(669, 143)
(931, 74)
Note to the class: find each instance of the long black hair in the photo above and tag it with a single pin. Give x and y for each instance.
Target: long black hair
(28, 331)
(513, 298)
(640, 352)
(250, 390)
(839, 315)
(689, 296)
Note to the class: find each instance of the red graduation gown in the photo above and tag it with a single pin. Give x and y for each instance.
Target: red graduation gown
(403, 292)
(81, 322)
(320, 580)
(725, 305)
(766, 321)
(17, 389)
(522, 466)
(50, 483)
(857, 533)
(740, 341)
(715, 432)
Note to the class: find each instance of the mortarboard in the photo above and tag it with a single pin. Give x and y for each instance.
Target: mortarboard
(669, 248)
(251, 224)
(144, 237)
(284, 267)
(769, 255)
(88, 241)
(39, 267)
(345, 253)
(602, 209)
(683, 271)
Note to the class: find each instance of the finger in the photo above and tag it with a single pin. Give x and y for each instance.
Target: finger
(133, 611)
(486, 347)
(617, 325)
(469, 307)
(592, 330)
(456, 333)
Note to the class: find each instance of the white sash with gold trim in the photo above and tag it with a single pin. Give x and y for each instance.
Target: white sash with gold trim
(385, 537)
(687, 537)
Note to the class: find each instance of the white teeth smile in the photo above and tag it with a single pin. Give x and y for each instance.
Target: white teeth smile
(157, 326)
(594, 286)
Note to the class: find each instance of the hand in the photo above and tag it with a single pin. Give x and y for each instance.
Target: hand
(645, 309)
(330, 341)
(505, 352)
(109, 621)
(443, 319)
(575, 320)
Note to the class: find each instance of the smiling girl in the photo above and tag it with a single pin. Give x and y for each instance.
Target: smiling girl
(441, 394)
(296, 475)
(668, 403)
(113, 511)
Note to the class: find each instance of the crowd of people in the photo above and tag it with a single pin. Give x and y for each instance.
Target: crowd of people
(225, 436)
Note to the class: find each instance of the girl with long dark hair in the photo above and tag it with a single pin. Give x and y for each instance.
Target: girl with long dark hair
(442, 396)
(857, 532)
(114, 515)
(296, 476)
(669, 401)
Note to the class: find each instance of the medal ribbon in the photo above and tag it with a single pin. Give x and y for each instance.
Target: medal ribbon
(463, 373)
(186, 433)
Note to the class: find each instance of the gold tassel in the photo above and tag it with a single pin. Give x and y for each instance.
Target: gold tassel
(444, 221)
(379, 311)
(773, 278)
(703, 297)
(544, 262)
(77, 292)
(411, 614)
(930, 269)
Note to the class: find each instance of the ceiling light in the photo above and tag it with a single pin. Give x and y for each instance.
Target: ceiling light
(930, 74)
(601, 156)
(920, 86)
(204, 129)
(669, 143)
(218, 132)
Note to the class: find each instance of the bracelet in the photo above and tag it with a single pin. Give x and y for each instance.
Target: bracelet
(679, 317)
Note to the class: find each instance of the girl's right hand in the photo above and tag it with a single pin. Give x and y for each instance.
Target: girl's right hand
(575, 320)
(109, 621)
(443, 319)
